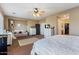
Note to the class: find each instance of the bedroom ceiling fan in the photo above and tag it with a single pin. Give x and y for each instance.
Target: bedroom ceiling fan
(37, 12)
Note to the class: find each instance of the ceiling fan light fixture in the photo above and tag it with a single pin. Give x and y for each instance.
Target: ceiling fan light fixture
(37, 12)
(34, 14)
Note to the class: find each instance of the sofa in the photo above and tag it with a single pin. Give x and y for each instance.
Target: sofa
(20, 33)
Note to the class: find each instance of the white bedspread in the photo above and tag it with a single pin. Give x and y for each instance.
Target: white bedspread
(57, 45)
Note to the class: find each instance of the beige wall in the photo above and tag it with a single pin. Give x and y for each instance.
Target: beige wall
(6, 27)
(52, 20)
(16, 20)
(31, 23)
(74, 20)
(42, 21)
(23, 25)
(25, 22)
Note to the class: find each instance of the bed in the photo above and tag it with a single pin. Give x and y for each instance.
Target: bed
(57, 45)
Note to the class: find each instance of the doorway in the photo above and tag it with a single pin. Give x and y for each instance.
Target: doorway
(66, 28)
(63, 25)
(37, 29)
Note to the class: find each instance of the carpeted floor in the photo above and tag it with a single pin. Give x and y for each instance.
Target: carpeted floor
(16, 49)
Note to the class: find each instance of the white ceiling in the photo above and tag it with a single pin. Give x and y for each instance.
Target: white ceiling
(24, 10)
